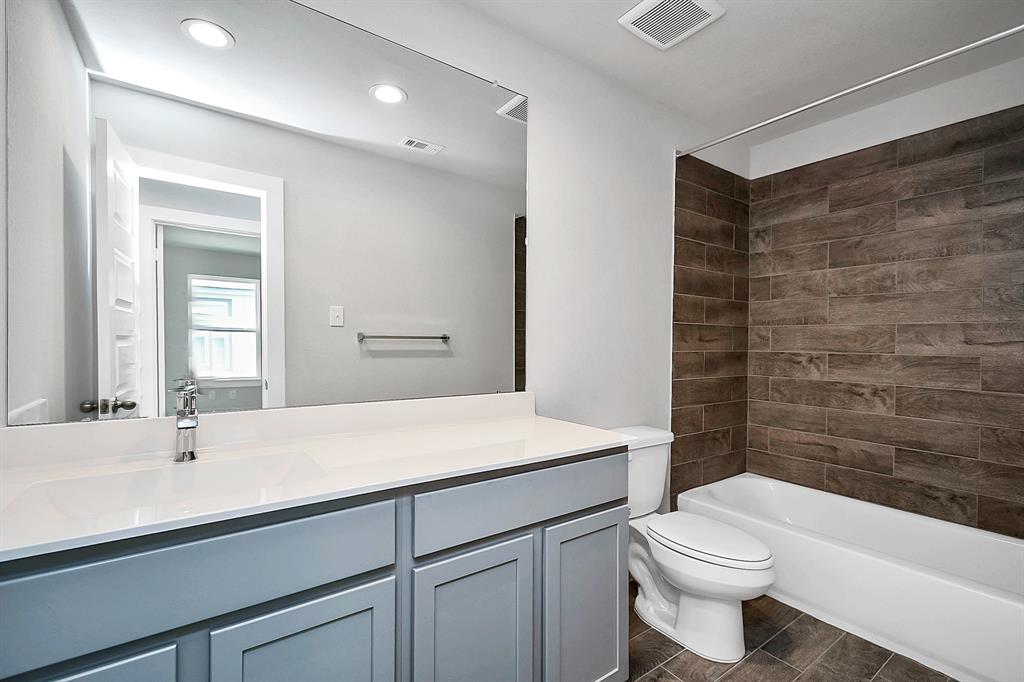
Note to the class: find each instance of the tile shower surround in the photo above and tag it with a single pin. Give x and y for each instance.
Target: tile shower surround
(879, 317)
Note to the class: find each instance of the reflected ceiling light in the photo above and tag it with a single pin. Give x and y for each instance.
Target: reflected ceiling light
(389, 94)
(207, 33)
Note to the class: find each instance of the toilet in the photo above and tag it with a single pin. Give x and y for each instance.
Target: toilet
(692, 571)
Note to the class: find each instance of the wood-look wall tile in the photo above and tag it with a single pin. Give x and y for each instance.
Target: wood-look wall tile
(725, 364)
(949, 240)
(862, 279)
(701, 337)
(1005, 233)
(1001, 516)
(783, 416)
(741, 288)
(683, 477)
(687, 420)
(964, 305)
(691, 197)
(701, 228)
(963, 272)
(687, 308)
(702, 173)
(1003, 373)
(831, 450)
(790, 207)
(800, 285)
(794, 259)
(868, 161)
(687, 365)
(789, 312)
(963, 137)
(800, 471)
(844, 395)
(728, 209)
(908, 370)
(975, 407)
(849, 339)
(920, 498)
(720, 415)
(1004, 303)
(1004, 162)
(690, 253)
(760, 288)
(760, 338)
(761, 189)
(984, 339)
(703, 391)
(727, 260)
(740, 338)
(856, 222)
(722, 466)
(916, 434)
(758, 437)
(760, 239)
(739, 435)
(741, 188)
(700, 445)
(1002, 445)
(961, 205)
(801, 365)
(961, 473)
(757, 388)
(911, 181)
(741, 238)
(721, 311)
(702, 283)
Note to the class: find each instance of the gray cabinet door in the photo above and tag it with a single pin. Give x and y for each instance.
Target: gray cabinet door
(473, 616)
(348, 636)
(586, 598)
(158, 665)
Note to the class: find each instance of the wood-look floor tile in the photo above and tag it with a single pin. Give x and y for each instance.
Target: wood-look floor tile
(763, 617)
(659, 674)
(851, 659)
(648, 650)
(761, 667)
(689, 667)
(636, 625)
(902, 669)
(802, 641)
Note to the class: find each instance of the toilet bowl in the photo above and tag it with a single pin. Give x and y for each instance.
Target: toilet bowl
(692, 572)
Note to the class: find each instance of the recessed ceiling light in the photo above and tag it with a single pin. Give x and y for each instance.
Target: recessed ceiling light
(207, 33)
(389, 94)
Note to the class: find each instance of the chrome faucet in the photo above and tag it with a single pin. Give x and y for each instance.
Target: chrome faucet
(187, 422)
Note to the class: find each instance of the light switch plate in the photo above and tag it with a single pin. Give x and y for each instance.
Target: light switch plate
(337, 316)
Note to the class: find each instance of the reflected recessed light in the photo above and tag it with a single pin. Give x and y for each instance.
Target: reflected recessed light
(207, 33)
(389, 94)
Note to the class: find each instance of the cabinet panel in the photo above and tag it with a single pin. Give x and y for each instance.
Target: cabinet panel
(346, 636)
(473, 616)
(159, 665)
(586, 598)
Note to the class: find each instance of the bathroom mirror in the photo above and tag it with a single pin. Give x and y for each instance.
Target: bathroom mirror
(279, 205)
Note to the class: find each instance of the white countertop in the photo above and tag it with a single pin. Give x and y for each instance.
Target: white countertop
(63, 505)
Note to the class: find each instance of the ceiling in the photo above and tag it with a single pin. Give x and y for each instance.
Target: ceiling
(302, 70)
(762, 58)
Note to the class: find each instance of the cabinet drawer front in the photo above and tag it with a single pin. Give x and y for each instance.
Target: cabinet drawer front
(54, 616)
(159, 665)
(445, 518)
(348, 636)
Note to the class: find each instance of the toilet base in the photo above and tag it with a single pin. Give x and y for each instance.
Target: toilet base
(710, 628)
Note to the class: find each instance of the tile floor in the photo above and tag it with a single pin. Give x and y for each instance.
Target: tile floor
(783, 644)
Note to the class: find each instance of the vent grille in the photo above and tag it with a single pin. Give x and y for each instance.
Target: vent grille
(420, 145)
(515, 108)
(663, 23)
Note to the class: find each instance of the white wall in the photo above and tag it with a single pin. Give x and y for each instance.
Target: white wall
(48, 144)
(600, 170)
(404, 248)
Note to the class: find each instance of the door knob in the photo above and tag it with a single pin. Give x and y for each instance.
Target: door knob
(117, 404)
(88, 406)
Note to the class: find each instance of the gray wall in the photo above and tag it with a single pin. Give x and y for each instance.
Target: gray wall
(179, 263)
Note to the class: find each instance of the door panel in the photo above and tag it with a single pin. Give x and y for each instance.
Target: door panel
(348, 636)
(473, 616)
(586, 598)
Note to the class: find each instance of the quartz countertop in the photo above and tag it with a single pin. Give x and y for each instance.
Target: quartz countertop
(48, 508)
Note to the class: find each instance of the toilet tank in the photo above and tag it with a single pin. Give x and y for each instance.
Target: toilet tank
(649, 450)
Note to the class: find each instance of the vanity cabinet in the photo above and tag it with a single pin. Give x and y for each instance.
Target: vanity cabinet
(159, 665)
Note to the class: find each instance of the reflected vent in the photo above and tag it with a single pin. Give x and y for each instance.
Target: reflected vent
(515, 109)
(663, 23)
(420, 145)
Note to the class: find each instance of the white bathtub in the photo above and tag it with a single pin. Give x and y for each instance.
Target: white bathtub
(949, 596)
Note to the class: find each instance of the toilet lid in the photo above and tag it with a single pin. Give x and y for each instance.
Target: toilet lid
(709, 540)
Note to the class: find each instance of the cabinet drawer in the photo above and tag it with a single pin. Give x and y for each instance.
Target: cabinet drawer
(158, 665)
(57, 615)
(453, 516)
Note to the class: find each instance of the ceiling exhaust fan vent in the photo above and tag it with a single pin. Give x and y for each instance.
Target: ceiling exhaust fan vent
(515, 108)
(663, 23)
(420, 145)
